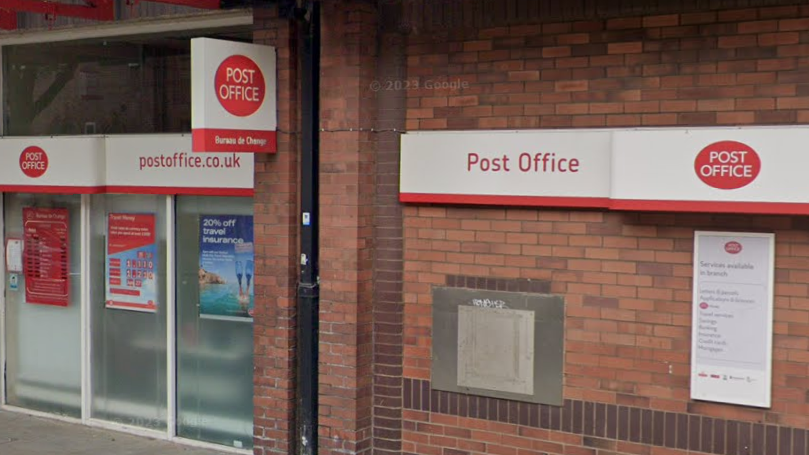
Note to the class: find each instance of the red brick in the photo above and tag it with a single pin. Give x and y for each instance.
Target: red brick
(624, 23)
(556, 51)
(798, 25)
(758, 26)
(670, 20)
(625, 48)
(726, 67)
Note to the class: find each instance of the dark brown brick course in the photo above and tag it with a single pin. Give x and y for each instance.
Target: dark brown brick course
(602, 426)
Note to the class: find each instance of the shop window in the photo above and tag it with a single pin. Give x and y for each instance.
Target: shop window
(215, 298)
(129, 309)
(43, 302)
(130, 85)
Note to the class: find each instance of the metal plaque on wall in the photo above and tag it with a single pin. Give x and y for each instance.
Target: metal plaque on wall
(498, 344)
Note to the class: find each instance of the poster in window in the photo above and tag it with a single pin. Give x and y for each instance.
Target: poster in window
(226, 266)
(46, 256)
(131, 262)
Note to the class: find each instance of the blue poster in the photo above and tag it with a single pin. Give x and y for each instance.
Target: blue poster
(226, 265)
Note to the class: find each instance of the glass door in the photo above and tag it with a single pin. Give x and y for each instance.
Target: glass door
(129, 310)
(215, 298)
(157, 292)
(43, 302)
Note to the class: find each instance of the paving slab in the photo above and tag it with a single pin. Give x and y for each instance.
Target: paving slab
(22, 434)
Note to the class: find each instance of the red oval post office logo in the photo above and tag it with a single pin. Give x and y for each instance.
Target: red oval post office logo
(240, 85)
(733, 247)
(33, 161)
(727, 165)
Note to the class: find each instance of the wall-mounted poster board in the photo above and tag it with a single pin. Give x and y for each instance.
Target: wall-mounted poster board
(732, 319)
(46, 256)
(131, 262)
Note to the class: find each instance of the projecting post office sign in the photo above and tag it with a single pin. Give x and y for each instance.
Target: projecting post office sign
(232, 96)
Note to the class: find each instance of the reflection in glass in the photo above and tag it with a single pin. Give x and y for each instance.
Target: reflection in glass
(132, 85)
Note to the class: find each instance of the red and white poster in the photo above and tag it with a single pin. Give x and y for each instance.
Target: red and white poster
(46, 257)
(131, 262)
(233, 106)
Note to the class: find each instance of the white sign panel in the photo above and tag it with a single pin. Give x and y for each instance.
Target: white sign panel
(759, 170)
(150, 164)
(732, 170)
(233, 100)
(164, 164)
(533, 168)
(52, 165)
(732, 319)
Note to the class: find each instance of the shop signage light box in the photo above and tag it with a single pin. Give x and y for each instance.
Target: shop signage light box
(730, 170)
(233, 100)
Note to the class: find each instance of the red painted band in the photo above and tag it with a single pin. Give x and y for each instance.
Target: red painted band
(180, 191)
(221, 140)
(764, 208)
(532, 201)
(53, 189)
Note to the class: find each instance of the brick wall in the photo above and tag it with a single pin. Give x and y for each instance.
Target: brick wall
(276, 238)
(347, 193)
(388, 231)
(727, 67)
(626, 277)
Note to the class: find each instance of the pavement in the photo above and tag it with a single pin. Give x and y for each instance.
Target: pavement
(21, 434)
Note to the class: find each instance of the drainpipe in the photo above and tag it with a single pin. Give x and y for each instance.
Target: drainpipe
(309, 281)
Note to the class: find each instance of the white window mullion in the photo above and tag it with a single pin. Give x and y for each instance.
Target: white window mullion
(3, 331)
(86, 311)
(171, 367)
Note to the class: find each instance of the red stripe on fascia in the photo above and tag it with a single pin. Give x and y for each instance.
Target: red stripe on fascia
(531, 201)
(764, 208)
(52, 189)
(180, 190)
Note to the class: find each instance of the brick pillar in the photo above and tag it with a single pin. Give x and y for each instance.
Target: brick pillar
(276, 239)
(347, 196)
(388, 268)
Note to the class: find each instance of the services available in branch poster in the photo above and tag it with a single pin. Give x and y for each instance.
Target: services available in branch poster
(46, 256)
(226, 266)
(732, 319)
(131, 262)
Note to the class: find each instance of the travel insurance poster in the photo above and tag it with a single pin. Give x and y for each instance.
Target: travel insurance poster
(226, 266)
(131, 262)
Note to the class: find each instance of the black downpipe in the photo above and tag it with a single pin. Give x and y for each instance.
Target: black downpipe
(309, 284)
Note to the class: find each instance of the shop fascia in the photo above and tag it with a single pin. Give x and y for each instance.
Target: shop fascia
(161, 164)
(731, 170)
